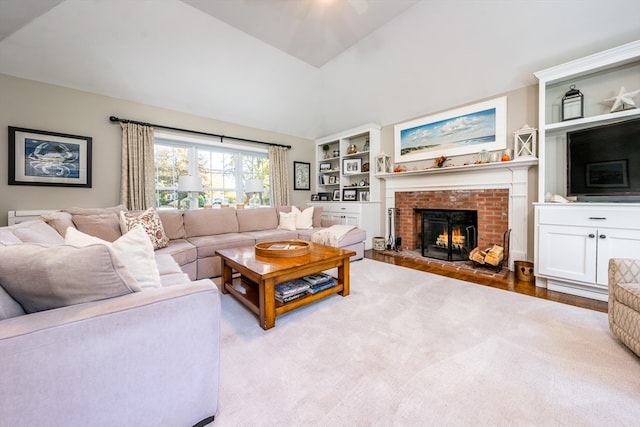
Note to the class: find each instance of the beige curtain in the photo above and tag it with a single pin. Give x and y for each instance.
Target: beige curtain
(137, 184)
(279, 176)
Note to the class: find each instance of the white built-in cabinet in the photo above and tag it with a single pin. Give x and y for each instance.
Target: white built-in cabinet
(347, 168)
(574, 241)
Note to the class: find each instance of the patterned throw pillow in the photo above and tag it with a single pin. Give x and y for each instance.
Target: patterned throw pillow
(150, 221)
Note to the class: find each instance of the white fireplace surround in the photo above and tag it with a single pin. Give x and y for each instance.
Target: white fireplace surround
(513, 175)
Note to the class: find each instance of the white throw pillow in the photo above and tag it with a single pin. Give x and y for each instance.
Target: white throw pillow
(134, 249)
(304, 219)
(287, 221)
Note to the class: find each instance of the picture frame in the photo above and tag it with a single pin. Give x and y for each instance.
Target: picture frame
(332, 179)
(325, 167)
(336, 195)
(349, 194)
(351, 166)
(324, 197)
(44, 158)
(465, 130)
(301, 176)
(363, 196)
(315, 197)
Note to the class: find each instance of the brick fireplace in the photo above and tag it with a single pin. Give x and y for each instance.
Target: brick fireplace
(492, 206)
(501, 192)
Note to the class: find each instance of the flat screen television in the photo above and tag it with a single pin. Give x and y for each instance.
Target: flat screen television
(603, 163)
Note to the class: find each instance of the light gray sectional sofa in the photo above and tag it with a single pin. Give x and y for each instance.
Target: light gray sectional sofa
(83, 342)
(86, 346)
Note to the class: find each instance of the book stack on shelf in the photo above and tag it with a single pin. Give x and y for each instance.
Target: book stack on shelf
(319, 282)
(312, 284)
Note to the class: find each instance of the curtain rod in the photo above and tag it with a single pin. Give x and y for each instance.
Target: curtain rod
(115, 119)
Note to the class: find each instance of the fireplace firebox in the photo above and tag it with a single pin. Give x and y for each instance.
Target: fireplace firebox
(448, 234)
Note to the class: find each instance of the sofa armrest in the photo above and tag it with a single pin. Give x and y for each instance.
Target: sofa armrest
(146, 359)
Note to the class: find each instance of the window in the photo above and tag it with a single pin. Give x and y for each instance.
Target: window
(224, 168)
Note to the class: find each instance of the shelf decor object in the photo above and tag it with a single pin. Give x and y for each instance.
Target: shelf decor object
(572, 104)
(383, 163)
(623, 100)
(525, 142)
(191, 184)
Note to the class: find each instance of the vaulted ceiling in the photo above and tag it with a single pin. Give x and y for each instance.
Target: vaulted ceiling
(304, 67)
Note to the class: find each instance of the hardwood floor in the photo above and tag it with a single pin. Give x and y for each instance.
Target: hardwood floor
(509, 282)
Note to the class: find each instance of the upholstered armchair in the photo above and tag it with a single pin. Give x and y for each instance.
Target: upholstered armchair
(624, 301)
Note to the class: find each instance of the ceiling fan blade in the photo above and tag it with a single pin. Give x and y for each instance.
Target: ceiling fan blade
(360, 6)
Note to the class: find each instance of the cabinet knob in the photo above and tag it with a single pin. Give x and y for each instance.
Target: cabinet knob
(591, 236)
(603, 236)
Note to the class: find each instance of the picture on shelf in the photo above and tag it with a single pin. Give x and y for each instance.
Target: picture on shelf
(363, 196)
(324, 197)
(336, 195)
(332, 179)
(315, 197)
(349, 194)
(351, 166)
(325, 167)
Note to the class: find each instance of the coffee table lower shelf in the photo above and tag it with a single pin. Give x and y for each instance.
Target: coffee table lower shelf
(247, 293)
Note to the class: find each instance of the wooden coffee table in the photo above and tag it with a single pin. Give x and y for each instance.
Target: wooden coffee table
(259, 275)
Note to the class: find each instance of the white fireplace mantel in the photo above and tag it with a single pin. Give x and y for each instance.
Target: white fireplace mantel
(512, 175)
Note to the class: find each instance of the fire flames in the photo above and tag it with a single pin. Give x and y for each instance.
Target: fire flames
(457, 239)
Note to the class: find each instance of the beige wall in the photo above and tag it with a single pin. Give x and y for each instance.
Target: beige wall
(33, 105)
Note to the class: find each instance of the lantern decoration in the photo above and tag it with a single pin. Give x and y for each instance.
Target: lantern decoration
(572, 104)
(525, 142)
(383, 163)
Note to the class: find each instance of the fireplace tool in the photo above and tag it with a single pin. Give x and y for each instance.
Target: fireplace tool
(393, 241)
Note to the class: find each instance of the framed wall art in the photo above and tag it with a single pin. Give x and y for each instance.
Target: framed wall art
(465, 130)
(45, 158)
(301, 176)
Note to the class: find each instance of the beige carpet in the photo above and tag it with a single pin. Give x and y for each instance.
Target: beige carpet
(409, 348)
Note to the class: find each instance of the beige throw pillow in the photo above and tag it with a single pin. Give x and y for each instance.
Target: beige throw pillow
(304, 219)
(41, 277)
(151, 224)
(287, 221)
(133, 248)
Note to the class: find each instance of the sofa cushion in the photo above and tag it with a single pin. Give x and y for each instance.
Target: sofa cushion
(274, 234)
(150, 223)
(36, 231)
(41, 277)
(209, 222)
(8, 306)
(105, 226)
(59, 221)
(208, 245)
(181, 250)
(257, 219)
(96, 211)
(134, 249)
(173, 223)
(7, 237)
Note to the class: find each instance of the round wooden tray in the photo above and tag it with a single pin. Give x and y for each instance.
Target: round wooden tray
(282, 248)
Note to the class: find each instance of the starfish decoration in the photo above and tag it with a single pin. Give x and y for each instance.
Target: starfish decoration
(623, 99)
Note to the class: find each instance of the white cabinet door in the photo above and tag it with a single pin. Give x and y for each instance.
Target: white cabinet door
(567, 252)
(613, 243)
